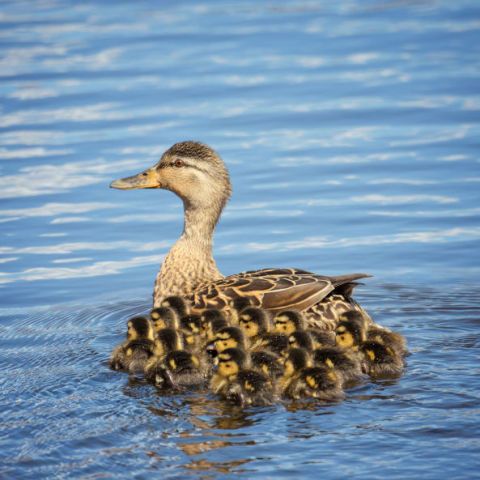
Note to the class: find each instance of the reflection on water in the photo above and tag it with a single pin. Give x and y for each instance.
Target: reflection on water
(351, 133)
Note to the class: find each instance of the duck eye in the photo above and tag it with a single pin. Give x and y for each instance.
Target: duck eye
(178, 163)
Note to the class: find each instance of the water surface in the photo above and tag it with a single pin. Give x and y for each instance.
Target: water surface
(351, 132)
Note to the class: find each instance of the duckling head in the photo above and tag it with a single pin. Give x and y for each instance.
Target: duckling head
(348, 334)
(230, 337)
(288, 321)
(191, 326)
(177, 303)
(191, 170)
(254, 321)
(139, 328)
(300, 339)
(167, 340)
(356, 317)
(231, 361)
(240, 303)
(164, 317)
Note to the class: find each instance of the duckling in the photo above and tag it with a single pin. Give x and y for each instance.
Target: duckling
(178, 304)
(380, 360)
(230, 362)
(268, 363)
(363, 321)
(166, 340)
(300, 339)
(230, 337)
(236, 305)
(288, 321)
(211, 332)
(349, 334)
(191, 327)
(276, 343)
(180, 369)
(164, 317)
(249, 387)
(322, 338)
(255, 323)
(138, 329)
(316, 382)
(296, 360)
(335, 358)
(393, 340)
(212, 320)
(136, 355)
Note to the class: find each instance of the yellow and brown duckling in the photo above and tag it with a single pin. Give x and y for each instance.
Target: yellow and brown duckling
(338, 359)
(212, 320)
(381, 361)
(288, 321)
(296, 360)
(237, 305)
(321, 383)
(393, 340)
(132, 354)
(268, 363)
(191, 328)
(300, 339)
(255, 322)
(177, 303)
(349, 334)
(276, 343)
(230, 337)
(249, 387)
(164, 317)
(357, 317)
(179, 370)
(229, 362)
(166, 340)
(322, 338)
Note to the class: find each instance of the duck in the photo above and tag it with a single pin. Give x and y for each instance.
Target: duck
(381, 361)
(196, 173)
(138, 347)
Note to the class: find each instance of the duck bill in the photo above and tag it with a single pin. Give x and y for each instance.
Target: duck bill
(146, 179)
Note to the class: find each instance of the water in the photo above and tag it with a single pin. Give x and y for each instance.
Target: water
(351, 131)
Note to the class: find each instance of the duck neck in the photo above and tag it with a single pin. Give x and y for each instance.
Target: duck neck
(190, 262)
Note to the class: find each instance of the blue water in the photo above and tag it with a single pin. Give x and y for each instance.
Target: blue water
(351, 131)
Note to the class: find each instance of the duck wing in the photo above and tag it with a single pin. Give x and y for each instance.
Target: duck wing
(272, 289)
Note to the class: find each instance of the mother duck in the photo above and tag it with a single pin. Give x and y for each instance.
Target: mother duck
(197, 174)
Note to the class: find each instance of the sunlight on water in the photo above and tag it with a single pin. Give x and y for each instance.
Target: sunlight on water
(350, 130)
